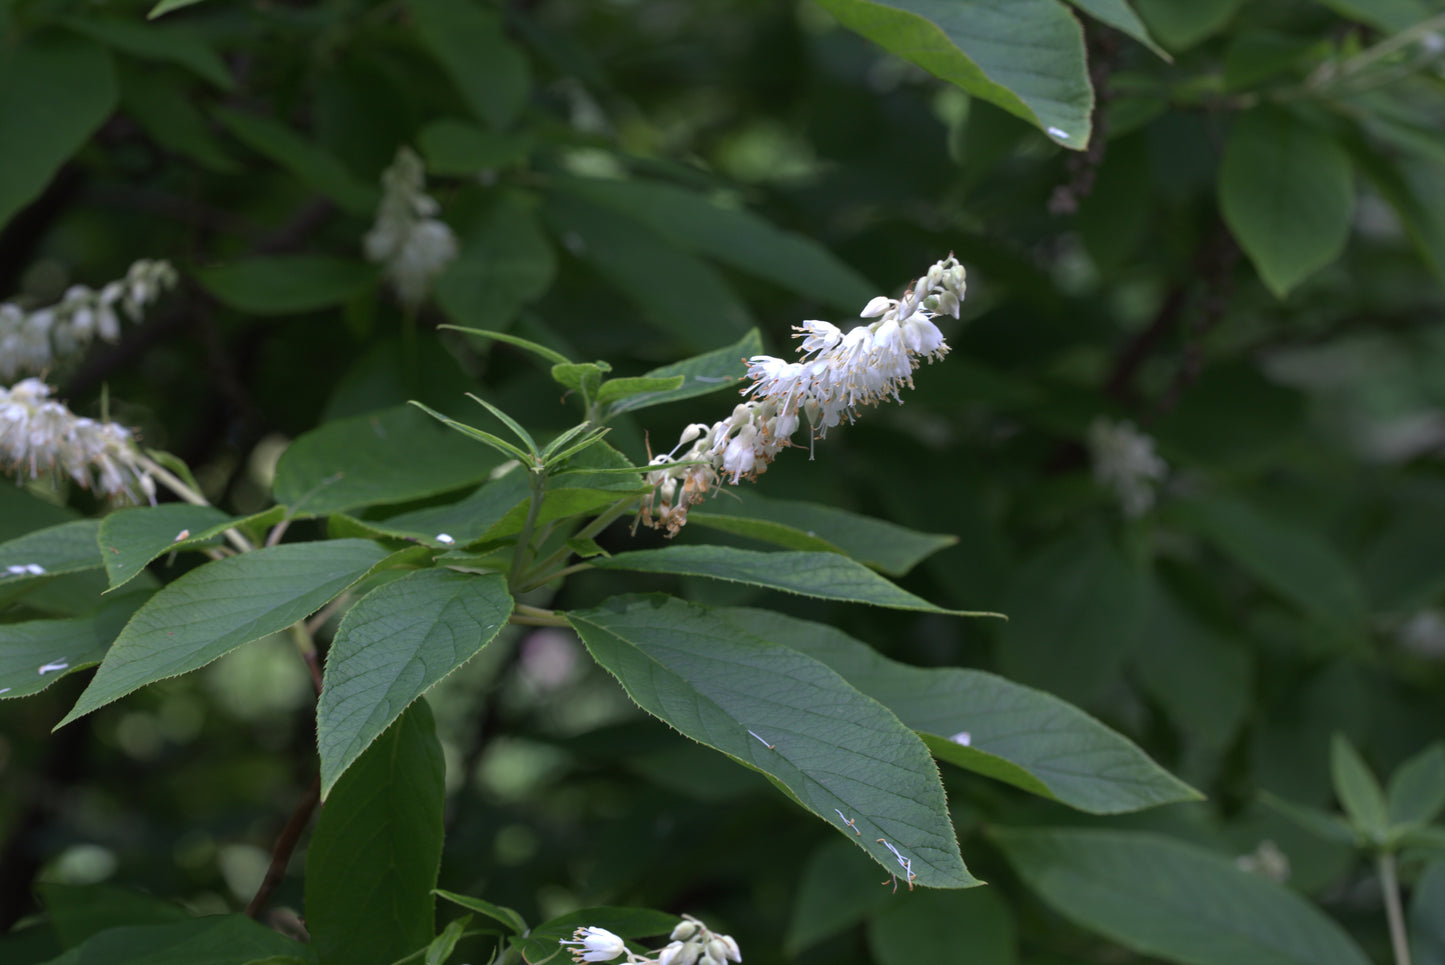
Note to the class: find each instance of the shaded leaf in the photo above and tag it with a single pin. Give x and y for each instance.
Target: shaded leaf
(514, 921)
(785, 714)
(454, 148)
(168, 43)
(286, 284)
(130, 538)
(65, 548)
(1416, 792)
(1119, 15)
(1358, 790)
(504, 262)
(934, 926)
(1180, 26)
(1286, 189)
(1164, 898)
(39, 134)
(312, 164)
(36, 653)
(702, 374)
(468, 40)
(77, 912)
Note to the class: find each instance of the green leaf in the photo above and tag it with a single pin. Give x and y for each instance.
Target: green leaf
(286, 284)
(1119, 15)
(374, 857)
(166, 6)
(1180, 26)
(36, 653)
(166, 112)
(616, 390)
(1295, 562)
(788, 716)
(1321, 824)
(168, 43)
(1286, 190)
(390, 456)
(66, 548)
(39, 134)
(1416, 793)
(213, 940)
(734, 236)
(834, 892)
(1358, 790)
(1023, 737)
(827, 576)
(1075, 613)
(550, 355)
(496, 442)
(468, 40)
(454, 148)
(514, 921)
(1167, 899)
(77, 912)
(885, 546)
(583, 376)
(1427, 916)
(509, 422)
(935, 926)
(702, 374)
(312, 165)
(504, 262)
(1026, 56)
(394, 645)
(131, 538)
(1389, 16)
(217, 607)
(674, 291)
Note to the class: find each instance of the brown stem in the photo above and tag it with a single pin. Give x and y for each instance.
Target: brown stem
(285, 845)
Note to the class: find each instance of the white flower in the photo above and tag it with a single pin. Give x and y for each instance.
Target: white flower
(1125, 462)
(412, 246)
(41, 437)
(838, 374)
(32, 342)
(594, 945)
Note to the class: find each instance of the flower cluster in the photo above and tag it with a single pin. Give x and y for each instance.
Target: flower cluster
(837, 374)
(39, 436)
(408, 241)
(1125, 462)
(691, 943)
(31, 341)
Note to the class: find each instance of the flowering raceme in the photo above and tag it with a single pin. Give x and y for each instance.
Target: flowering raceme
(837, 374)
(408, 241)
(39, 436)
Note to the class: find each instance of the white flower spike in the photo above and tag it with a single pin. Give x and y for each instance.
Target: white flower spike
(691, 943)
(408, 241)
(838, 374)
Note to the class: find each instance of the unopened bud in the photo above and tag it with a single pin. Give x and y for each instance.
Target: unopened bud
(684, 931)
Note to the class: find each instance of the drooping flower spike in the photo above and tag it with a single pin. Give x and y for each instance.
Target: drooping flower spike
(838, 374)
(691, 943)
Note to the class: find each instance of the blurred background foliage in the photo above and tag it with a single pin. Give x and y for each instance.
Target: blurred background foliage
(1246, 262)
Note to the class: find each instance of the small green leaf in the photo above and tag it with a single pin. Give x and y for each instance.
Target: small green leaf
(39, 134)
(443, 945)
(1171, 900)
(1416, 793)
(286, 284)
(702, 374)
(313, 165)
(989, 725)
(551, 355)
(470, 43)
(131, 538)
(585, 377)
(394, 645)
(1026, 56)
(1358, 790)
(1286, 190)
(36, 653)
(1180, 26)
(217, 607)
(1321, 824)
(377, 848)
(509, 422)
(514, 921)
(782, 713)
(390, 456)
(885, 546)
(827, 576)
(480, 435)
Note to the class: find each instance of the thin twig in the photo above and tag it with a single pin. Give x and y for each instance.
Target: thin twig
(1394, 914)
(285, 844)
